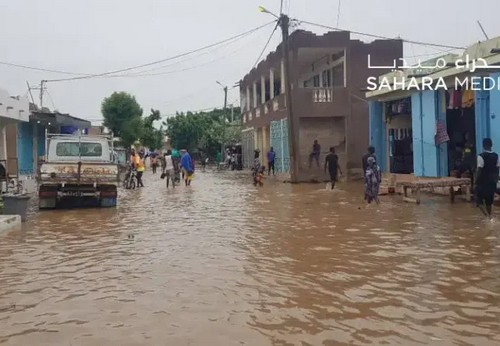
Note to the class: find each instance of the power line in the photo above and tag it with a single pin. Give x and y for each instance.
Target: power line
(165, 59)
(265, 47)
(141, 74)
(380, 36)
(42, 69)
(79, 74)
(51, 99)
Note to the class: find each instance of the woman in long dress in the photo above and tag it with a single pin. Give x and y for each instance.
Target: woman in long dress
(373, 179)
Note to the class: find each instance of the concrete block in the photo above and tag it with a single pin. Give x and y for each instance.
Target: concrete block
(9, 222)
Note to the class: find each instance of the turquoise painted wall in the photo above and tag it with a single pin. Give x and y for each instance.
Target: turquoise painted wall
(426, 155)
(378, 134)
(25, 148)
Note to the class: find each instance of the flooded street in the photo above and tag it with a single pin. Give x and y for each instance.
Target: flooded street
(224, 263)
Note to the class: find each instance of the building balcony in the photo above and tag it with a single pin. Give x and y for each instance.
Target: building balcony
(308, 102)
(322, 102)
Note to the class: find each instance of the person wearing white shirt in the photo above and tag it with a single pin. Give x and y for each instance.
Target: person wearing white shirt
(169, 169)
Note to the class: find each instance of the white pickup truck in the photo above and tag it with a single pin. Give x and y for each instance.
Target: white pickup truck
(78, 171)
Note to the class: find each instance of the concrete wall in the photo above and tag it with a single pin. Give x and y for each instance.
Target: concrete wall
(330, 132)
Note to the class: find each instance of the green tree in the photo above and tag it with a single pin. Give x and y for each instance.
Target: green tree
(204, 130)
(122, 115)
(152, 137)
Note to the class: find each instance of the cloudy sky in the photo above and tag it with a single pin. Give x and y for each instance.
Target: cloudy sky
(96, 36)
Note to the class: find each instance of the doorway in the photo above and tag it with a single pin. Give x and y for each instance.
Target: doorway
(461, 127)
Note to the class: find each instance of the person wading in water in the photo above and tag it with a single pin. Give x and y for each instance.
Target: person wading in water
(488, 165)
(154, 161)
(140, 167)
(332, 164)
(187, 168)
(256, 164)
(271, 156)
(370, 153)
(315, 154)
(169, 168)
(373, 179)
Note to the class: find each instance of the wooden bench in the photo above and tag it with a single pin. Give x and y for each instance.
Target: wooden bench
(419, 184)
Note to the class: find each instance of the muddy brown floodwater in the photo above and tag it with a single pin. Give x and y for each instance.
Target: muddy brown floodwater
(224, 263)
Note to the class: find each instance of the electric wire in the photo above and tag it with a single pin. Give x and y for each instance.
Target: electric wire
(51, 99)
(80, 75)
(41, 69)
(265, 46)
(141, 74)
(163, 60)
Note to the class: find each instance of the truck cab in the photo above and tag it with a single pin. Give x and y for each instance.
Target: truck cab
(78, 171)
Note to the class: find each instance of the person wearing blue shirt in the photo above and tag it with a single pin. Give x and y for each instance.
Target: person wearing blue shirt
(271, 156)
(187, 167)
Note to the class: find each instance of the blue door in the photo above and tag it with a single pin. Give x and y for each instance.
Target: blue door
(25, 148)
(424, 117)
(279, 142)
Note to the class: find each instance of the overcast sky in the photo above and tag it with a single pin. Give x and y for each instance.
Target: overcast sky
(95, 36)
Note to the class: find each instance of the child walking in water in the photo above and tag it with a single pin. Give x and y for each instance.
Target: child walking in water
(373, 179)
(259, 177)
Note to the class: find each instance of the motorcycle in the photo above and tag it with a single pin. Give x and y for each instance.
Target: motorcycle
(130, 180)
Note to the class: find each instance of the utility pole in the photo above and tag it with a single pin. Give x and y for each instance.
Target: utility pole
(232, 113)
(284, 22)
(223, 120)
(224, 123)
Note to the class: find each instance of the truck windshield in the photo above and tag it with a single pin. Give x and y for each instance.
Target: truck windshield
(79, 149)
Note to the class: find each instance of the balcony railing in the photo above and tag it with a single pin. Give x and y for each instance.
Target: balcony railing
(321, 95)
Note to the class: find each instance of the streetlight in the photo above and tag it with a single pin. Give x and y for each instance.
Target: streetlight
(265, 10)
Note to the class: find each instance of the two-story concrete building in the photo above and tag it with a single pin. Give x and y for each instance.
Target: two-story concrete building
(328, 74)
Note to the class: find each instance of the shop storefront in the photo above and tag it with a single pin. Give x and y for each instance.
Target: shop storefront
(438, 135)
(440, 127)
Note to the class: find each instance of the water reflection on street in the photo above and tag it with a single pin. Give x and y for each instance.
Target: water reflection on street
(225, 263)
